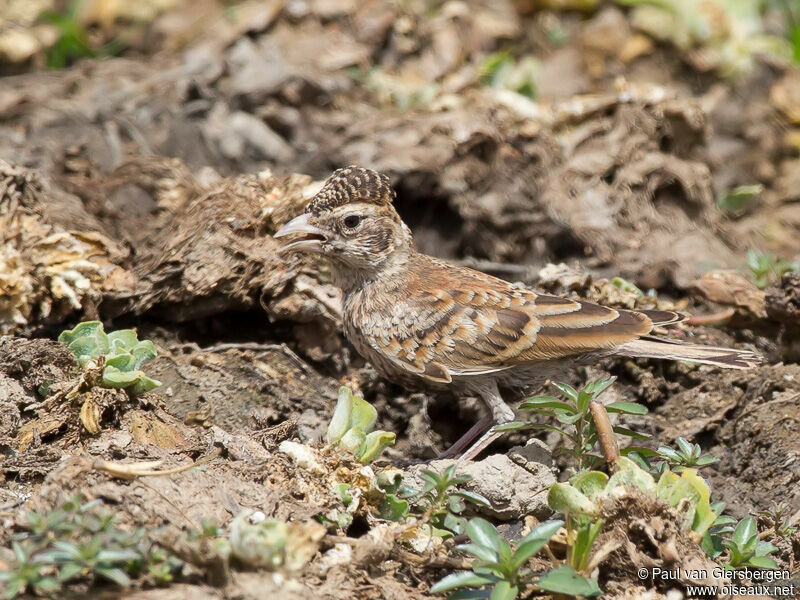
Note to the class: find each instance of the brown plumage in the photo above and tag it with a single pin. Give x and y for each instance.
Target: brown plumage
(425, 323)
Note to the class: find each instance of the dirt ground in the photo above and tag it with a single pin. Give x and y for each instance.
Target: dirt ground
(142, 190)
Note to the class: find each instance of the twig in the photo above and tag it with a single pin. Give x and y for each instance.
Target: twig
(605, 432)
(146, 469)
(717, 318)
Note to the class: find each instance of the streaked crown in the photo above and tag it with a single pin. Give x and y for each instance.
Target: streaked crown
(352, 184)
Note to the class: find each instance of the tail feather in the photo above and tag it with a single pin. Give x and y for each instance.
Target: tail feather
(653, 347)
(663, 317)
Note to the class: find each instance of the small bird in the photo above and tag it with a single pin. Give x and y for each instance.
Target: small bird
(425, 323)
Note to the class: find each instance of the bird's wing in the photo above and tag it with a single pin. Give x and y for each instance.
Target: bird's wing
(453, 321)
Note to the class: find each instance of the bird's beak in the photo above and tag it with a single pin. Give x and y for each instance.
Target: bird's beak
(309, 238)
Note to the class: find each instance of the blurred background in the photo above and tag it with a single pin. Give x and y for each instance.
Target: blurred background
(517, 131)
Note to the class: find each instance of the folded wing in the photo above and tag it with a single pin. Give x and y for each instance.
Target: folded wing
(477, 324)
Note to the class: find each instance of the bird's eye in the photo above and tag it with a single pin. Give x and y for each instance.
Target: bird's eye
(351, 221)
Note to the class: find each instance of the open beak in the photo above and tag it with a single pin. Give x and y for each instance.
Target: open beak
(307, 237)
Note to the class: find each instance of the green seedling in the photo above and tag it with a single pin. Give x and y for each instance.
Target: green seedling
(747, 549)
(626, 286)
(28, 575)
(441, 502)
(79, 541)
(582, 498)
(73, 41)
(501, 71)
(782, 527)
(687, 455)
(728, 35)
(499, 570)
(120, 353)
(575, 423)
(766, 268)
(351, 428)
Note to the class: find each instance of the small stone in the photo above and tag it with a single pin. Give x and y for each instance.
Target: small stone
(513, 490)
(303, 456)
(534, 451)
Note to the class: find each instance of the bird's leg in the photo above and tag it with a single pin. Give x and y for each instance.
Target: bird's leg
(465, 440)
(501, 413)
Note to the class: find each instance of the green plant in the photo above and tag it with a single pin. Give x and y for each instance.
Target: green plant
(580, 540)
(782, 527)
(713, 542)
(739, 199)
(27, 574)
(499, 570)
(351, 428)
(501, 71)
(687, 455)
(626, 286)
(440, 501)
(747, 549)
(571, 410)
(582, 498)
(120, 353)
(79, 540)
(73, 41)
(765, 268)
(791, 14)
(720, 34)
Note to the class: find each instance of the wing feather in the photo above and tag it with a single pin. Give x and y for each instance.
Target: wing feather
(468, 323)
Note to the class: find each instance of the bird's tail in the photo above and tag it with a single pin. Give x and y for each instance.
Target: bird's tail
(653, 347)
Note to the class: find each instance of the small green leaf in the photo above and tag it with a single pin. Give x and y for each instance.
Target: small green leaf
(363, 415)
(484, 533)
(590, 483)
(459, 580)
(513, 426)
(340, 422)
(375, 443)
(91, 329)
(121, 362)
(116, 575)
(763, 562)
(122, 340)
(564, 498)
(479, 551)
(504, 590)
(685, 446)
(455, 523)
(143, 352)
(745, 530)
(627, 408)
(631, 434)
(144, 384)
(393, 508)
(85, 347)
(534, 541)
(595, 388)
(565, 580)
(473, 497)
(739, 198)
(113, 377)
(567, 390)
(352, 440)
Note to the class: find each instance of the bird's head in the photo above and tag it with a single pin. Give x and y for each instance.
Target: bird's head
(353, 223)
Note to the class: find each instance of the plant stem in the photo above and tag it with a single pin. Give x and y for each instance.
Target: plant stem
(605, 432)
